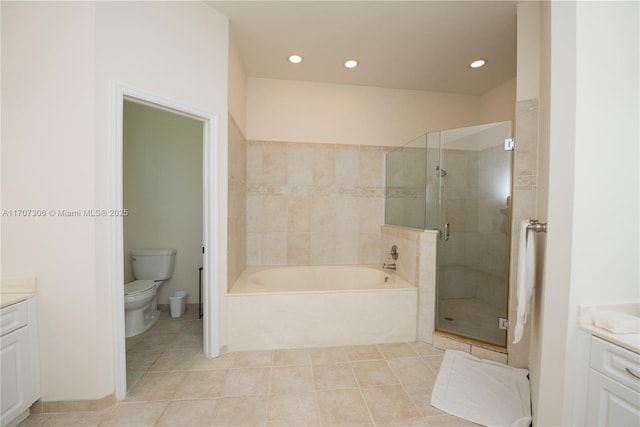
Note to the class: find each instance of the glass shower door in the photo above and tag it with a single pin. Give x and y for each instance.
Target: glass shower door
(475, 223)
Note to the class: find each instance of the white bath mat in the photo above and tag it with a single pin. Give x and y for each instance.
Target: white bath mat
(482, 391)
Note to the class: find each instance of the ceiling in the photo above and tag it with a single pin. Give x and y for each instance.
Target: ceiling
(418, 45)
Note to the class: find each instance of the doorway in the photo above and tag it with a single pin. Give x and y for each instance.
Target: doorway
(208, 251)
(162, 195)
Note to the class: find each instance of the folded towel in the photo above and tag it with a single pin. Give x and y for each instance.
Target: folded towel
(616, 322)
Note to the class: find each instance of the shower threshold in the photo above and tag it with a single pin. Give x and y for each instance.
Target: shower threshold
(471, 341)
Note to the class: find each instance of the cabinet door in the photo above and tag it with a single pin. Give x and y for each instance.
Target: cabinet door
(15, 374)
(610, 403)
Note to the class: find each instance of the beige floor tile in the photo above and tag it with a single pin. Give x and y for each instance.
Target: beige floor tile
(141, 361)
(34, 420)
(203, 363)
(131, 341)
(448, 421)
(389, 404)
(342, 408)
(135, 414)
(296, 357)
(174, 360)
(247, 382)
(241, 411)
(191, 327)
(415, 422)
(188, 413)
(424, 349)
(187, 341)
(420, 394)
(291, 379)
(73, 419)
(328, 355)
(259, 388)
(132, 378)
(297, 409)
(334, 377)
(392, 351)
(412, 370)
(373, 373)
(434, 362)
(201, 385)
(363, 352)
(155, 386)
(169, 326)
(253, 359)
(157, 342)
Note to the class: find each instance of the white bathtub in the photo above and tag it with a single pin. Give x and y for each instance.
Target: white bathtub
(316, 306)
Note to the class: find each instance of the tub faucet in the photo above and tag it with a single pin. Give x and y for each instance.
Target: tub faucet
(394, 256)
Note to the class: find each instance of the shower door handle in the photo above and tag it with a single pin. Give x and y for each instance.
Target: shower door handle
(446, 231)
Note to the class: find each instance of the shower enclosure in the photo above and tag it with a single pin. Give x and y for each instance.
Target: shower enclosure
(458, 182)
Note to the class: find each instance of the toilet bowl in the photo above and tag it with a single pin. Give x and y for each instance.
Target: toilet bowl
(140, 308)
(151, 267)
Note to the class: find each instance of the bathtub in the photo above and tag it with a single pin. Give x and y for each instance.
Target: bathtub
(319, 306)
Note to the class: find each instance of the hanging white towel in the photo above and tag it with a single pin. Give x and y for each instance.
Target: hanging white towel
(526, 277)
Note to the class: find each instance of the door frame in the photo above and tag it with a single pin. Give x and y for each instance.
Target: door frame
(210, 202)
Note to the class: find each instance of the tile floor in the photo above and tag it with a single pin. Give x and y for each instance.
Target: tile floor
(171, 383)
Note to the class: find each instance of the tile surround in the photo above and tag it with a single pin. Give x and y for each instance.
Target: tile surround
(312, 204)
(365, 385)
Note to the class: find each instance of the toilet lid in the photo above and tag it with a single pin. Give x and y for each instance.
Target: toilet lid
(138, 286)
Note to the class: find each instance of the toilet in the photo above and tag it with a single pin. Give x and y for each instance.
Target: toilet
(150, 268)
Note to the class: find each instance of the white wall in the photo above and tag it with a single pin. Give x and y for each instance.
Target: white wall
(59, 62)
(237, 87)
(296, 111)
(48, 163)
(592, 244)
(162, 158)
(499, 104)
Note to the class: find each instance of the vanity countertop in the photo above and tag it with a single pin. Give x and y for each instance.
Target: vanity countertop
(629, 341)
(15, 290)
(8, 299)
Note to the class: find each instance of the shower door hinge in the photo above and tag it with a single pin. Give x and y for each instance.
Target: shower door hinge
(503, 323)
(509, 144)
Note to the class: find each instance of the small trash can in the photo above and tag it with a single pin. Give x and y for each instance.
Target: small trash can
(178, 303)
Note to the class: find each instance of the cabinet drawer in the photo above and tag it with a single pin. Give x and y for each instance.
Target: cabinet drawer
(616, 362)
(13, 317)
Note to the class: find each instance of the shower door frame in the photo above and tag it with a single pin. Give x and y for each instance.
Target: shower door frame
(441, 238)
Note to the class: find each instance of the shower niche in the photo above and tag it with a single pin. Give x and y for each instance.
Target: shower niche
(458, 181)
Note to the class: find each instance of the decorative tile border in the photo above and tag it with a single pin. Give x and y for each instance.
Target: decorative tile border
(313, 190)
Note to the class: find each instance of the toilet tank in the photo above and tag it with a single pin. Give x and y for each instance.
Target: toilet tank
(153, 264)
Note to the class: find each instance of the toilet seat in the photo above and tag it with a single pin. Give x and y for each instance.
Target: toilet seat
(138, 287)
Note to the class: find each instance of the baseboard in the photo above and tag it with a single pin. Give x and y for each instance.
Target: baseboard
(40, 406)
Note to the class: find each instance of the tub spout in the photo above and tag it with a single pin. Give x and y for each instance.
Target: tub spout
(391, 266)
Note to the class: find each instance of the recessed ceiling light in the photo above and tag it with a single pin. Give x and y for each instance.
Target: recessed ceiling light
(295, 59)
(351, 63)
(478, 63)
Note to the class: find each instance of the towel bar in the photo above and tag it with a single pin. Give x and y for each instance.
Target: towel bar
(536, 225)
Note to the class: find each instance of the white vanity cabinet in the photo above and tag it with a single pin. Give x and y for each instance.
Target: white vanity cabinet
(613, 391)
(19, 360)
